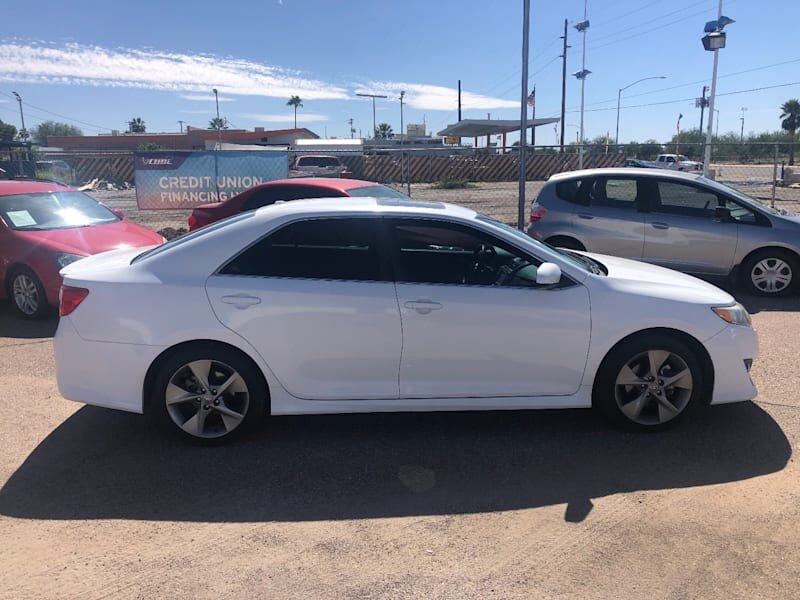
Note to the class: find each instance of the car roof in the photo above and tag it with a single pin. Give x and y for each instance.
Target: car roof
(626, 171)
(335, 206)
(331, 183)
(24, 186)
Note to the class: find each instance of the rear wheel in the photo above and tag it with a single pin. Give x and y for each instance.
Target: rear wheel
(27, 294)
(770, 272)
(648, 382)
(560, 241)
(209, 393)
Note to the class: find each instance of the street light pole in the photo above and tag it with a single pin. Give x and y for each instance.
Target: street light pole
(23, 133)
(373, 96)
(582, 27)
(741, 136)
(619, 97)
(219, 125)
(710, 128)
(523, 119)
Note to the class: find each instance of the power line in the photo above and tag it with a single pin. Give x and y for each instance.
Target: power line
(649, 22)
(28, 105)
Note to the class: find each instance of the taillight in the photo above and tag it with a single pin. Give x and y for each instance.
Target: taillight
(192, 222)
(537, 213)
(69, 298)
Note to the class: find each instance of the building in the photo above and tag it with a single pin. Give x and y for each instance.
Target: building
(192, 139)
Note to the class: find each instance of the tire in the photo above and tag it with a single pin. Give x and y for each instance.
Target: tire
(770, 272)
(27, 294)
(565, 242)
(209, 393)
(631, 394)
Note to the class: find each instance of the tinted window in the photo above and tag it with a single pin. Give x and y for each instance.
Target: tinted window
(318, 161)
(53, 210)
(600, 191)
(273, 193)
(428, 251)
(687, 200)
(315, 249)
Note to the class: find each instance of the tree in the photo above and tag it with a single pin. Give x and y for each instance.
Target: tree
(218, 123)
(149, 146)
(7, 131)
(297, 102)
(383, 131)
(136, 125)
(49, 128)
(790, 115)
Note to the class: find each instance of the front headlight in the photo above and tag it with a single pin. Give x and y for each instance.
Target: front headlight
(64, 258)
(736, 314)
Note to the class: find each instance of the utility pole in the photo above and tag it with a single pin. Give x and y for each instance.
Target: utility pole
(352, 129)
(583, 27)
(402, 139)
(741, 136)
(703, 104)
(526, 12)
(564, 86)
(181, 124)
(23, 133)
(219, 125)
(459, 101)
(533, 118)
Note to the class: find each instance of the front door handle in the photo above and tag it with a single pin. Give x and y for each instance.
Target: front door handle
(659, 225)
(585, 216)
(241, 301)
(423, 307)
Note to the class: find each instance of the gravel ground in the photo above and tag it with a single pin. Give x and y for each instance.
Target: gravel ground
(538, 504)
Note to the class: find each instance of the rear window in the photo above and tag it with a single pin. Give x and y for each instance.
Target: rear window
(318, 161)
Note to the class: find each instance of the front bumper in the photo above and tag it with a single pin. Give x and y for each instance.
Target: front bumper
(730, 350)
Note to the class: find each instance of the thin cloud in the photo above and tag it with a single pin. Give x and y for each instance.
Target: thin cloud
(206, 97)
(77, 64)
(434, 97)
(289, 118)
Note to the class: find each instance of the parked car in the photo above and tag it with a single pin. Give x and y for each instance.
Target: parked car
(677, 220)
(288, 189)
(46, 226)
(373, 305)
(678, 162)
(320, 165)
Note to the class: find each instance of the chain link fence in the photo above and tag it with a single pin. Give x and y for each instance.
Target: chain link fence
(484, 179)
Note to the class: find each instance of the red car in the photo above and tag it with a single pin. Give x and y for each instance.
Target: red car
(289, 189)
(46, 226)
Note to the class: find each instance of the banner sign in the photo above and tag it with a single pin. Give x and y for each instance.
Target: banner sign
(186, 179)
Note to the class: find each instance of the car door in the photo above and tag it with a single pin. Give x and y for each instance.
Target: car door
(316, 300)
(475, 323)
(682, 231)
(609, 217)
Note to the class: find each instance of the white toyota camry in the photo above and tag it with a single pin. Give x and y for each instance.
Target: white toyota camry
(322, 306)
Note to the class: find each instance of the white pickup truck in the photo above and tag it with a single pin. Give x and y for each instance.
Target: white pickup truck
(677, 162)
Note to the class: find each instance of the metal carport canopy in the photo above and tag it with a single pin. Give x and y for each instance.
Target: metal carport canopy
(481, 127)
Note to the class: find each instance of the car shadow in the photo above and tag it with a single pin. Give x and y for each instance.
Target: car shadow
(103, 464)
(13, 326)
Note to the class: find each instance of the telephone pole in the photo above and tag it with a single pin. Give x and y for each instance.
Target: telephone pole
(181, 124)
(564, 85)
(703, 103)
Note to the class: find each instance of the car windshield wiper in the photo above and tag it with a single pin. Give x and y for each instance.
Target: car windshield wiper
(592, 265)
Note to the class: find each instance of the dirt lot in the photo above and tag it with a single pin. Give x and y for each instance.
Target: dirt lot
(545, 504)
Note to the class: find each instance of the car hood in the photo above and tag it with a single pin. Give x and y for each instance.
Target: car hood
(94, 239)
(640, 278)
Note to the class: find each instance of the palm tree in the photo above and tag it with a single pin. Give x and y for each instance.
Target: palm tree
(295, 101)
(136, 125)
(218, 123)
(790, 113)
(383, 131)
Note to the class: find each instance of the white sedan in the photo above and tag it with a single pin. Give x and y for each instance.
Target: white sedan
(322, 306)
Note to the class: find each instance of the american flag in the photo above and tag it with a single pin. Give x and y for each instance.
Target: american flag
(532, 98)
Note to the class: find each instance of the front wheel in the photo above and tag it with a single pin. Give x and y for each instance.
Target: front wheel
(648, 382)
(27, 294)
(770, 272)
(209, 393)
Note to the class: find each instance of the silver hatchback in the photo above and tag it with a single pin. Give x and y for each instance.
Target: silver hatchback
(678, 220)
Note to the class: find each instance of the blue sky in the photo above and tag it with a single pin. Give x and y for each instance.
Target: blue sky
(101, 63)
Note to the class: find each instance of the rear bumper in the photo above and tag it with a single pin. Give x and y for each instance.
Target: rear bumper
(729, 351)
(101, 373)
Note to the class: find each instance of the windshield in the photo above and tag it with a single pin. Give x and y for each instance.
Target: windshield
(720, 187)
(318, 161)
(53, 210)
(376, 191)
(576, 260)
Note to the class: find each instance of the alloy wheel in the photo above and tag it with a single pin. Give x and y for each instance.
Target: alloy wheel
(207, 398)
(26, 294)
(653, 387)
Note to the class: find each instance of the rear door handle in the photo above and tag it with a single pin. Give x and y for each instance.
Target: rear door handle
(423, 307)
(659, 225)
(241, 300)
(585, 216)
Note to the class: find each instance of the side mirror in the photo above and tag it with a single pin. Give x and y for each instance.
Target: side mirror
(548, 274)
(723, 214)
